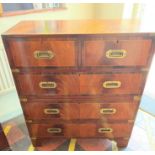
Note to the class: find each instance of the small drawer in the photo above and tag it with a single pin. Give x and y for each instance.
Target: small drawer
(93, 84)
(48, 110)
(116, 52)
(116, 111)
(42, 52)
(106, 130)
(36, 84)
(53, 130)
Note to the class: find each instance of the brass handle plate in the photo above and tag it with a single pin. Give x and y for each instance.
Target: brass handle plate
(47, 84)
(44, 54)
(54, 130)
(112, 84)
(108, 111)
(116, 53)
(51, 111)
(105, 130)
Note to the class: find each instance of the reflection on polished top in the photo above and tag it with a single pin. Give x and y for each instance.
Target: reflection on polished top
(81, 27)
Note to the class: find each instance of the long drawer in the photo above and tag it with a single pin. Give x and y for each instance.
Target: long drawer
(105, 111)
(42, 52)
(79, 84)
(116, 52)
(70, 130)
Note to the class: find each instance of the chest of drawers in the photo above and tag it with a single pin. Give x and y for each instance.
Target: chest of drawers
(79, 79)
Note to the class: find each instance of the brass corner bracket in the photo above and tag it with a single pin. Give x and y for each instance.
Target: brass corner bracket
(29, 121)
(145, 69)
(137, 98)
(131, 121)
(126, 138)
(15, 70)
(33, 138)
(23, 99)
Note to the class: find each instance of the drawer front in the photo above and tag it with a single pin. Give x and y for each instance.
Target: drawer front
(47, 110)
(33, 84)
(111, 83)
(116, 52)
(89, 130)
(118, 111)
(42, 52)
(53, 130)
(108, 130)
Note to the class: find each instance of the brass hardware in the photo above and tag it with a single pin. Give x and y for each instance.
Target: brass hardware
(126, 138)
(145, 69)
(107, 111)
(44, 54)
(47, 84)
(54, 130)
(51, 111)
(116, 53)
(137, 98)
(112, 84)
(131, 121)
(15, 70)
(33, 138)
(105, 130)
(29, 121)
(23, 99)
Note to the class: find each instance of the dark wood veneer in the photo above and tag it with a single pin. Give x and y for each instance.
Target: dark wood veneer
(80, 110)
(93, 83)
(137, 52)
(63, 50)
(80, 130)
(67, 111)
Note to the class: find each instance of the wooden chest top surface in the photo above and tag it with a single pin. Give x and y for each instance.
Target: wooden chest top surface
(77, 27)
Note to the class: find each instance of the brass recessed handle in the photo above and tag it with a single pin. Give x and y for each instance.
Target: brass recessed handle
(47, 84)
(54, 130)
(112, 53)
(108, 111)
(112, 84)
(44, 54)
(105, 130)
(51, 111)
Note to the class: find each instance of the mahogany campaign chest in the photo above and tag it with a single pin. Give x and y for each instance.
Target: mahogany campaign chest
(80, 78)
